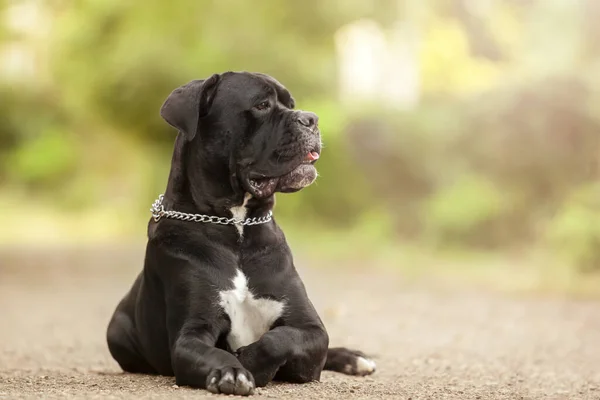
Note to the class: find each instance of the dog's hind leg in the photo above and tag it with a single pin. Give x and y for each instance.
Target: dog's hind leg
(349, 362)
(122, 345)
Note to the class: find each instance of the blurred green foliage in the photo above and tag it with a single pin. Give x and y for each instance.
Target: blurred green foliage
(501, 152)
(575, 229)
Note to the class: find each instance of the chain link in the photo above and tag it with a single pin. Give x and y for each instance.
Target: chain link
(158, 212)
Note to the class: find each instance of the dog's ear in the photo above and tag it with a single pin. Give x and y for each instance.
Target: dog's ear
(188, 103)
(283, 95)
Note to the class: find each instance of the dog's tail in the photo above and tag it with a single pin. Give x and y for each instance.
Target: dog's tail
(349, 362)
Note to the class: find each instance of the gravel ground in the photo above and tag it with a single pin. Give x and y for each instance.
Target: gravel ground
(429, 341)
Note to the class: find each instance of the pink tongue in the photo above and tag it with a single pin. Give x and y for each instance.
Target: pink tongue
(312, 156)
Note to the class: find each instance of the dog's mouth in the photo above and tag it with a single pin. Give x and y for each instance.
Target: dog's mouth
(299, 177)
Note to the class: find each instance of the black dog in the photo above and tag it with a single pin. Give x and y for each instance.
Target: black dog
(219, 303)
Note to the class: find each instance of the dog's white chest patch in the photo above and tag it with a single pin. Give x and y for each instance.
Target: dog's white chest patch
(250, 317)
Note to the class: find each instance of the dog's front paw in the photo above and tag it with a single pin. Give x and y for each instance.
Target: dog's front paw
(349, 362)
(262, 366)
(229, 380)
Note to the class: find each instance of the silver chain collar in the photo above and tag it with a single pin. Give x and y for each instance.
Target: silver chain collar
(158, 212)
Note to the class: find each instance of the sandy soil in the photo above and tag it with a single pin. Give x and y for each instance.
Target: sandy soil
(429, 342)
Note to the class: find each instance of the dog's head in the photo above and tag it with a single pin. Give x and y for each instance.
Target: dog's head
(245, 124)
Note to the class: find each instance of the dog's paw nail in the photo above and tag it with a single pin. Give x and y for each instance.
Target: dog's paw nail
(228, 377)
(244, 385)
(243, 380)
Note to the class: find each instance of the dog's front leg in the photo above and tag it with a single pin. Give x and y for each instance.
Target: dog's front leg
(287, 354)
(194, 323)
(197, 363)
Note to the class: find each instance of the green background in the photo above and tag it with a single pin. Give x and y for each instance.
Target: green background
(494, 173)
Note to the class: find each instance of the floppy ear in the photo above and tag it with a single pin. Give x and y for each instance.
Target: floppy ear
(188, 103)
(283, 95)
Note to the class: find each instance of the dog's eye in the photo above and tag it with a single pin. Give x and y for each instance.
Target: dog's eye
(263, 106)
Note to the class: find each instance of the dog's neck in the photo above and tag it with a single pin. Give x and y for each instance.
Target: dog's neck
(187, 192)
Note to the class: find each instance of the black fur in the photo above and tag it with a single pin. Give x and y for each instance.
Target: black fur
(170, 322)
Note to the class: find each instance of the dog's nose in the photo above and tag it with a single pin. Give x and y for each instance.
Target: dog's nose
(308, 119)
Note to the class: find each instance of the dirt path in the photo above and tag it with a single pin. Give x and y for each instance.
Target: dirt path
(428, 343)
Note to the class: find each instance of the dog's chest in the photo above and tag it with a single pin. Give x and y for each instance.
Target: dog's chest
(250, 316)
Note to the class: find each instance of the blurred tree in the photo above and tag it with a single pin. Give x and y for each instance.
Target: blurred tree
(122, 59)
(591, 16)
(574, 232)
(3, 30)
